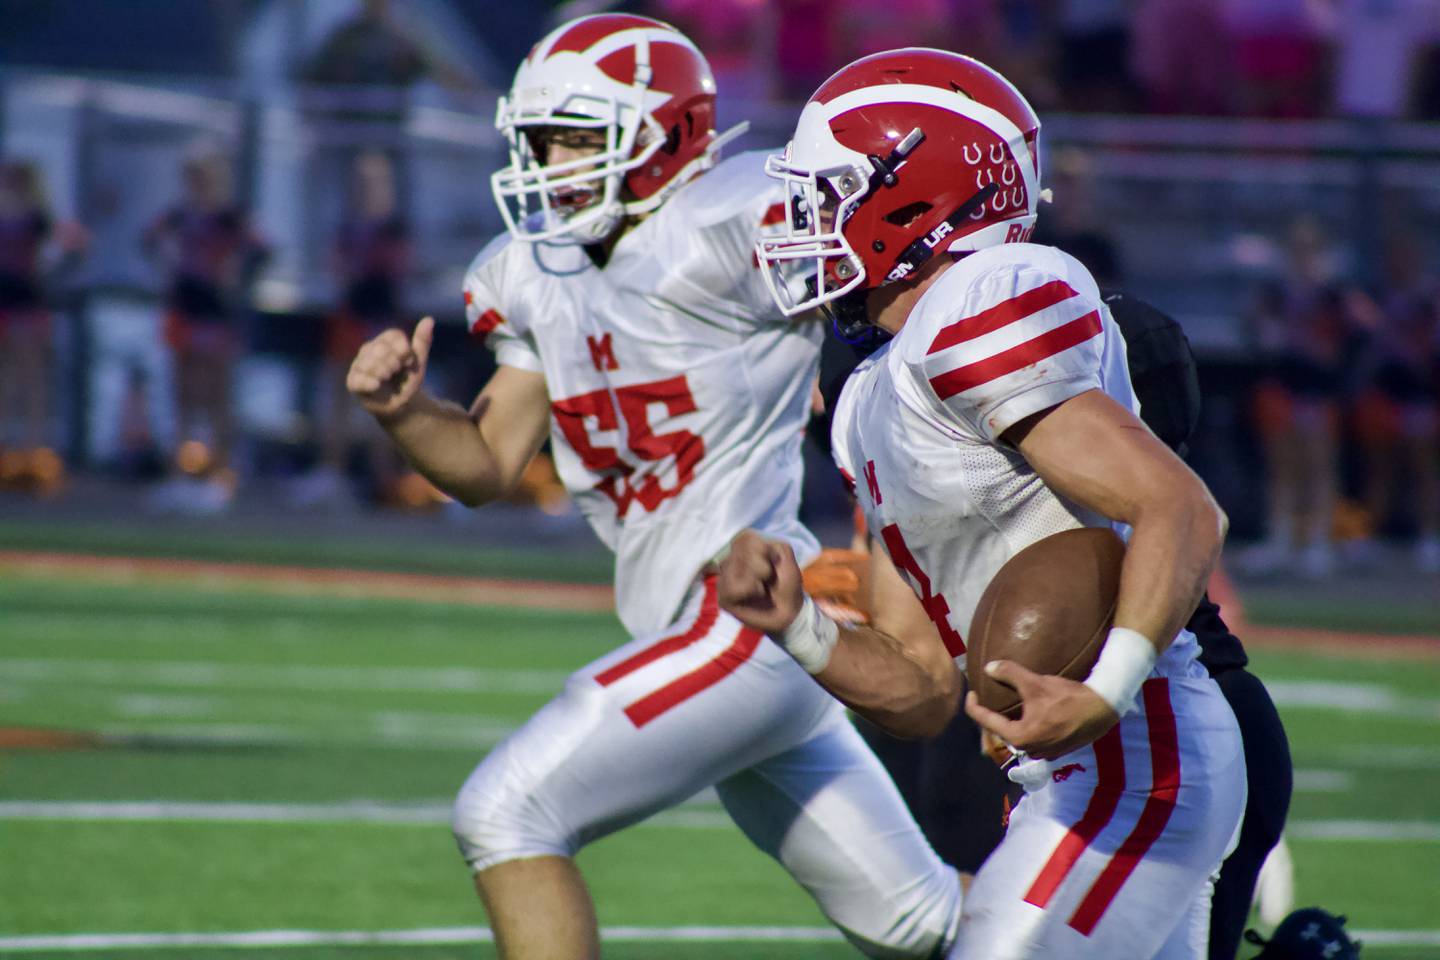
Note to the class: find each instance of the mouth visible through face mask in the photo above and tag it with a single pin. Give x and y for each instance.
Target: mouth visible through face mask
(554, 145)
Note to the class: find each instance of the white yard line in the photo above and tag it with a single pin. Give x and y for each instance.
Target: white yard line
(1369, 698)
(1324, 781)
(689, 816)
(219, 675)
(1406, 831)
(427, 935)
(1296, 694)
(692, 816)
(1388, 756)
(452, 935)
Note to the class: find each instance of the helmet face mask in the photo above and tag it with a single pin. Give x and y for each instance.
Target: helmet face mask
(639, 82)
(535, 196)
(814, 249)
(925, 151)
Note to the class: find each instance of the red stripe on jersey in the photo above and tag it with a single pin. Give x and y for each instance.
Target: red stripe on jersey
(1019, 357)
(676, 692)
(1164, 789)
(486, 322)
(774, 215)
(709, 613)
(1031, 301)
(849, 480)
(1109, 784)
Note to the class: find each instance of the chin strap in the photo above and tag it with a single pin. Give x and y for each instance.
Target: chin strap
(922, 249)
(849, 313)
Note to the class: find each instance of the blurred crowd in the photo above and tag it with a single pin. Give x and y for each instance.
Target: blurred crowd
(1346, 396)
(1267, 58)
(1347, 370)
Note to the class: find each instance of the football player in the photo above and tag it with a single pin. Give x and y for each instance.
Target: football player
(633, 328)
(956, 794)
(1000, 413)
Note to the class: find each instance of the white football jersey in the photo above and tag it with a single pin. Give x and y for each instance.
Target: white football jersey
(1007, 332)
(678, 392)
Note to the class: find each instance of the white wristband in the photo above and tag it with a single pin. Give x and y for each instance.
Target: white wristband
(810, 638)
(1125, 661)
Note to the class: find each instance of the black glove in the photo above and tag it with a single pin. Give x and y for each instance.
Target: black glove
(1307, 934)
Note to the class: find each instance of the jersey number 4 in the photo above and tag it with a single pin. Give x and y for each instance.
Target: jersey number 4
(623, 482)
(936, 608)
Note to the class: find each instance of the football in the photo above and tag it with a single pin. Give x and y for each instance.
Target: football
(1049, 608)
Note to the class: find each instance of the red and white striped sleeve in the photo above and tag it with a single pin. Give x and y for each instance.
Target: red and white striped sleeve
(1020, 341)
(486, 315)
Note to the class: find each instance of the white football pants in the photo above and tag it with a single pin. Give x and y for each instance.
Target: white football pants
(710, 702)
(1110, 854)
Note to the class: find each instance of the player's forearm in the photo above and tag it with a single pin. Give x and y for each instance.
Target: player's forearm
(443, 443)
(1172, 550)
(901, 691)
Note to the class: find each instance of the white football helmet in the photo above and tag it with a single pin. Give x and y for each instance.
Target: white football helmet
(640, 81)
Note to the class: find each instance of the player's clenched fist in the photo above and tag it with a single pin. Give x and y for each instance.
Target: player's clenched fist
(389, 370)
(760, 583)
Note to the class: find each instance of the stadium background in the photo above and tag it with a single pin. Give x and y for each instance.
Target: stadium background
(229, 709)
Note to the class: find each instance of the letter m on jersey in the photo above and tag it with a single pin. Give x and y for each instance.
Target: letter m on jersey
(602, 353)
(872, 482)
(1005, 338)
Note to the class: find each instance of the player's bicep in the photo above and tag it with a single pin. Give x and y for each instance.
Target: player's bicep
(512, 414)
(1096, 453)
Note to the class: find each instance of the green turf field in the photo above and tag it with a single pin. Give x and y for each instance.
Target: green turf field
(248, 762)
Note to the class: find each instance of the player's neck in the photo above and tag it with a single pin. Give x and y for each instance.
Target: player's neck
(601, 251)
(891, 304)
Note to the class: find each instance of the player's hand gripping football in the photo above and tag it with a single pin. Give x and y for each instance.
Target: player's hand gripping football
(390, 369)
(1059, 715)
(759, 583)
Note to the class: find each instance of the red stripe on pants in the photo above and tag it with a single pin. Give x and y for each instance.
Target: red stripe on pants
(1109, 784)
(709, 613)
(1164, 788)
(677, 691)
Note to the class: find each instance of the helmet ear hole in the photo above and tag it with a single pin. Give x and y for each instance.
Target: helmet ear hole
(672, 140)
(908, 214)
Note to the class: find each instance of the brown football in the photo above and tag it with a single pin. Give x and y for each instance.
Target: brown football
(1049, 608)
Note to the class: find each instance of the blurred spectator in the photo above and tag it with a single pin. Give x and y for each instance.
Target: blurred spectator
(210, 252)
(1025, 49)
(733, 34)
(874, 26)
(370, 48)
(1071, 223)
(1095, 54)
(1180, 55)
(1305, 336)
(1426, 102)
(1378, 46)
(1279, 49)
(808, 45)
(27, 234)
(1398, 411)
(371, 258)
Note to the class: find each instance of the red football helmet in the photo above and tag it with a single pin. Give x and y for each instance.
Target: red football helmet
(640, 81)
(897, 156)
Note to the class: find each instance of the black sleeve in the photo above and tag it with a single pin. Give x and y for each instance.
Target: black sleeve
(1162, 368)
(838, 358)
